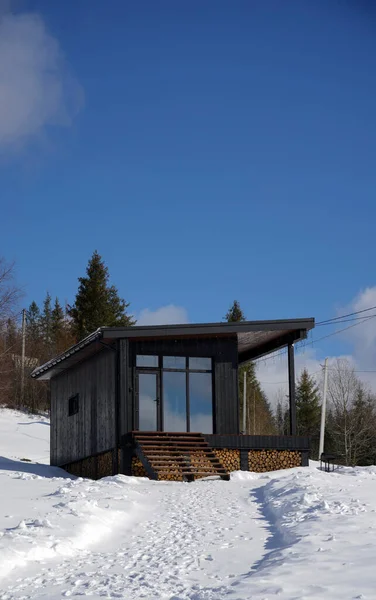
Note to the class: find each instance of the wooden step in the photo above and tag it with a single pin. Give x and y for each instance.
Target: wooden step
(167, 440)
(166, 433)
(153, 438)
(169, 444)
(166, 466)
(173, 448)
(177, 456)
(178, 459)
(180, 463)
(186, 472)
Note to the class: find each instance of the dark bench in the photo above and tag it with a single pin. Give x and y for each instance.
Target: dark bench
(328, 461)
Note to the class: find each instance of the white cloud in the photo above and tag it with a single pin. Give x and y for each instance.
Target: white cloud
(36, 88)
(165, 315)
(363, 336)
(273, 374)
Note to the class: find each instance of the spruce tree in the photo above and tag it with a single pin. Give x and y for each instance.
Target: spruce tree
(259, 418)
(279, 417)
(97, 303)
(33, 322)
(58, 326)
(46, 323)
(235, 313)
(308, 409)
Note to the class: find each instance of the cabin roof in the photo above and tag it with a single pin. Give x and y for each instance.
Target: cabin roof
(255, 339)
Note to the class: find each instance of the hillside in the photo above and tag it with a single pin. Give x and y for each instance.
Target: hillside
(297, 534)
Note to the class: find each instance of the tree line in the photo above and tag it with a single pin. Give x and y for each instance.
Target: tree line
(350, 432)
(50, 329)
(53, 327)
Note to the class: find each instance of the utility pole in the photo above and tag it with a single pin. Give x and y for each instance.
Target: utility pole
(23, 355)
(323, 409)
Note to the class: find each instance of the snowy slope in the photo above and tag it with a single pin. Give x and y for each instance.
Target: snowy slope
(297, 534)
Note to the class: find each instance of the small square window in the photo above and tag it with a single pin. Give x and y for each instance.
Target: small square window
(73, 406)
(200, 364)
(145, 360)
(174, 362)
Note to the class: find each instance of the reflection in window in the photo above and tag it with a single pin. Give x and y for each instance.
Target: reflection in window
(174, 401)
(200, 364)
(201, 402)
(144, 360)
(147, 401)
(174, 362)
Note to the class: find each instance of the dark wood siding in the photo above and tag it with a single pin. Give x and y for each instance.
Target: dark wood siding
(125, 395)
(259, 442)
(224, 352)
(92, 429)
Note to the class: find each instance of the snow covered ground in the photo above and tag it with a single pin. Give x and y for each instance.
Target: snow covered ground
(296, 534)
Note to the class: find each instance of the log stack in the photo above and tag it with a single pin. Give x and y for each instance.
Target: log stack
(273, 460)
(138, 468)
(175, 456)
(230, 459)
(199, 461)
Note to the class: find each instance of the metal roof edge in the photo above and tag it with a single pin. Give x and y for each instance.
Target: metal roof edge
(219, 327)
(92, 337)
(176, 329)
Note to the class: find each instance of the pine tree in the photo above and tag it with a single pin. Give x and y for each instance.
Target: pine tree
(58, 326)
(46, 323)
(97, 303)
(279, 417)
(235, 313)
(308, 409)
(259, 418)
(33, 323)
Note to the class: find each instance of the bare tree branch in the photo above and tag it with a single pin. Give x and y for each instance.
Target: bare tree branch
(9, 292)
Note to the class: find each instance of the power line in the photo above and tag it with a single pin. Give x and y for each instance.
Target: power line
(341, 330)
(305, 343)
(358, 312)
(345, 321)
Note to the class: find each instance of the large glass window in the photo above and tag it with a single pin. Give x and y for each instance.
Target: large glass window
(174, 401)
(148, 401)
(201, 402)
(186, 386)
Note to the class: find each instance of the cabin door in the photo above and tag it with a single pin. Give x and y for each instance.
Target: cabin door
(148, 402)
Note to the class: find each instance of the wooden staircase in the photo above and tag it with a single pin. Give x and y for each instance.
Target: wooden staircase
(176, 456)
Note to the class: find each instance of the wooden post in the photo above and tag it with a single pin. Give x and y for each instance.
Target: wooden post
(291, 367)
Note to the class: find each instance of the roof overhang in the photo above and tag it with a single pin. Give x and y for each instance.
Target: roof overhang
(255, 339)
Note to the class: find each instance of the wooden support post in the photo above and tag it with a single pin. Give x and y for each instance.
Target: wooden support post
(291, 367)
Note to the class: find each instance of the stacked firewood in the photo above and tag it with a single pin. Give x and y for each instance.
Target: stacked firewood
(172, 474)
(272, 460)
(104, 464)
(230, 459)
(200, 462)
(138, 468)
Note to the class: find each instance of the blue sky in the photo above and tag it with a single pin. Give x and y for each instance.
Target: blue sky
(208, 150)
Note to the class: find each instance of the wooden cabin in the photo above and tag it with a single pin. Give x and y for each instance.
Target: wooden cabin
(162, 401)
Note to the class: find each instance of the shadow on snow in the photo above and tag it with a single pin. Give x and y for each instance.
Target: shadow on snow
(8, 464)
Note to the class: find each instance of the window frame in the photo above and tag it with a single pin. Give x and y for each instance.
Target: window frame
(73, 405)
(161, 369)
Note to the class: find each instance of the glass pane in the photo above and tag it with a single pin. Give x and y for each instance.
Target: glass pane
(174, 362)
(200, 364)
(147, 396)
(174, 401)
(201, 402)
(143, 360)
